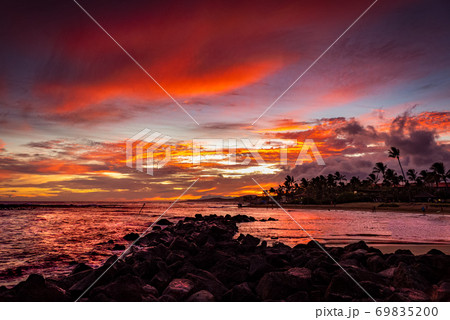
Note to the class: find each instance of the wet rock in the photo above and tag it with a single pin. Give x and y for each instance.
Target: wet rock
(131, 236)
(179, 244)
(242, 218)
(125, 288)
(342, 286)
(232, 271)
(162, 278)
(201, 296)
(179, 288)
(407, 295)
(436, 252)
(250, 241)
(164, 222)
(356, 246)
(258, 267)
(279, 285)
(407, 277)
(403, 251)
(441, 292)
(358, 255)
(80, 268)
(376, 263)
(240, 292)
(167, 298)
(300, 296)
(388, 273)
(35, 289)
(118, 247)
(204, 280)
(395, 259)
(150, 290)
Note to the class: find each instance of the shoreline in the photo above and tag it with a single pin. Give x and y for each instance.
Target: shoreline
(199, 259)
(431, 208)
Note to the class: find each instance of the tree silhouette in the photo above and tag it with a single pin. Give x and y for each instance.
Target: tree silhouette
(395, 153)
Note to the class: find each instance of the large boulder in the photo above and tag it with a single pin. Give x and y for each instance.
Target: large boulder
(204, 280)
(201, 296)
(441, 292)
(125, 288)
(240, 293)
(408, 295)
(407, 277)
(35, 289)
(179, 288)
(279, 285)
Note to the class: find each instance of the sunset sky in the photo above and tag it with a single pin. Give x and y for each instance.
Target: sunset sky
(70, 97)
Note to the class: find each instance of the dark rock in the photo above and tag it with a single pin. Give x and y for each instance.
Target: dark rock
(179, 244)
(131, 236)
(258, 267)
(356, 246)
(232, 271)
(150, 290)
(167, 298)
(388, 273)
(272, 219)
(198, 217)
(80, 268)
(395, 259)
(164, 222)
(125, 288)
(342, 286)
(161, 280)
(403, 251)
(250, 241)
(110, 241)
(358, 255)
(118, 247)
(35, 289)
(240, 293)
(376, 263)
(441, 292)
(201, 296)
(407, 277)
(300, 296)
(408, 295)
(204, 280)
(156, 228)
(436, 252)
(179, 288)
(279, 285)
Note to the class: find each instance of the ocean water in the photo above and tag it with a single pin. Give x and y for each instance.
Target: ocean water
(51, 239)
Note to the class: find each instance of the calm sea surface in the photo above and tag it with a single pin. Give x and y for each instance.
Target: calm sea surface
(50, 240)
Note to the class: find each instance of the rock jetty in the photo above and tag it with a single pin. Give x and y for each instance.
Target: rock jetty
(203, 259)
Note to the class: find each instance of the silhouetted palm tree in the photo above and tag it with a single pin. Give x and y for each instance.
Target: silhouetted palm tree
(439, 170)
(380, 167)
(373, 179)
(412, 175)
(395, 153)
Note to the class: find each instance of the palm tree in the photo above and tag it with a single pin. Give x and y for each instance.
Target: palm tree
(412, 175)
(439, 170)
(395, 153)
(289, 183)
(339, 177)
(380, 167)
(373, 179)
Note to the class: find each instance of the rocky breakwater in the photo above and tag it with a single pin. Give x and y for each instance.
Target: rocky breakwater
(200, 259)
